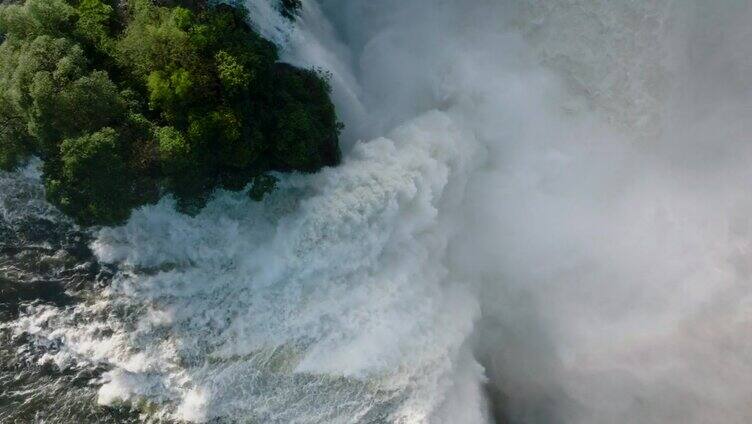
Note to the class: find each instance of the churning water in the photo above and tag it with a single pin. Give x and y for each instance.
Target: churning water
(543, 216)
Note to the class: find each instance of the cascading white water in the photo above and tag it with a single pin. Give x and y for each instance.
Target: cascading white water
(553, 204)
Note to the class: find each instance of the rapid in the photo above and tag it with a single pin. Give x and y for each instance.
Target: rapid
(542, 216)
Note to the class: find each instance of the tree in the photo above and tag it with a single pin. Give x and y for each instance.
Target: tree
(159, 96)
(93, 186)
(36, 17)
(93, 24)
(15, 142)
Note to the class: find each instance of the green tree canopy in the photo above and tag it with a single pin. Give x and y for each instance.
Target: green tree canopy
(127, 100)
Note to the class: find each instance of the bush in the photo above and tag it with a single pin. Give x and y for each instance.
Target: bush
(176, 96)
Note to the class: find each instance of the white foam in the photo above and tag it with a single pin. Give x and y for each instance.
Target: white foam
(326, 301)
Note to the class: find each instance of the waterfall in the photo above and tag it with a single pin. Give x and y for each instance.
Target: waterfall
(542, 216)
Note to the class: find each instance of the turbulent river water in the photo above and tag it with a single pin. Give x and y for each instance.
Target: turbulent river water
(543, 216)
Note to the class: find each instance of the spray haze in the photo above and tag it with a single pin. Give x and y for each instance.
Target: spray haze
(543, 216)
(606, 228)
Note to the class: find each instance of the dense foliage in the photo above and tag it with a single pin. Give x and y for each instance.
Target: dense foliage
(126, 100)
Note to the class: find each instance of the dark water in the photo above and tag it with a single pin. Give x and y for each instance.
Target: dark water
(44, 259)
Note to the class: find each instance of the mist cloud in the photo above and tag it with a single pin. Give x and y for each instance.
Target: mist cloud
(606, 228)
